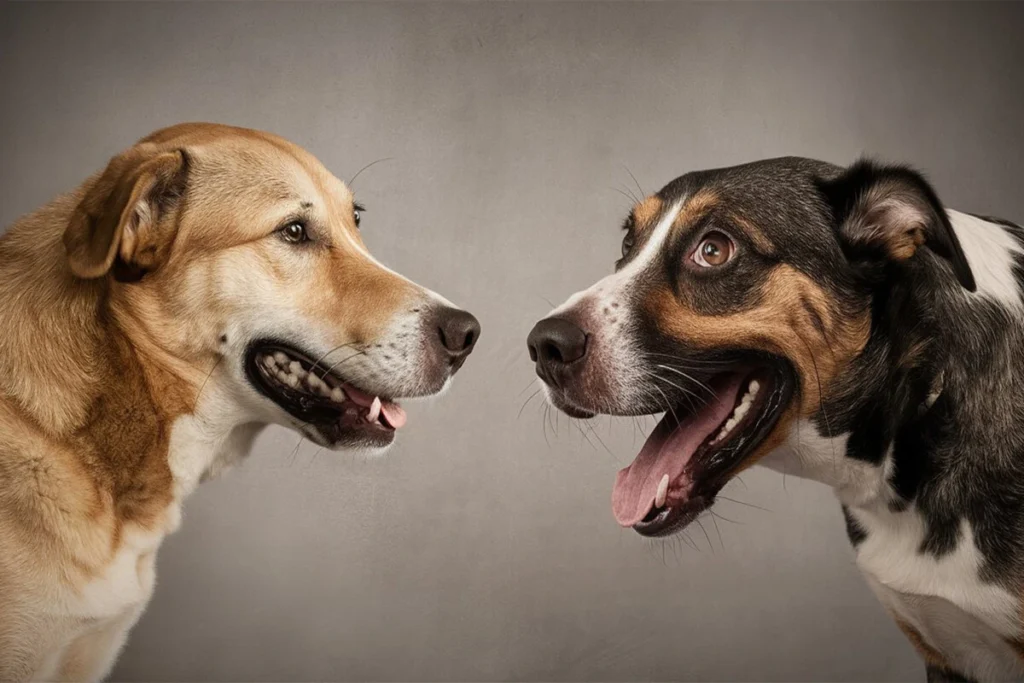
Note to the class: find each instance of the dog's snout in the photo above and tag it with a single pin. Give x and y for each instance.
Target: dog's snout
(555, 343)
(457, 331)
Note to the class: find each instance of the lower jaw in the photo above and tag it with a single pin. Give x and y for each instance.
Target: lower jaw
(673, 518)
(336, 435)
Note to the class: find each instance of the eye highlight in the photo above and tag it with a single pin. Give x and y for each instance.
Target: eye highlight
(714, 249)
(294, 232)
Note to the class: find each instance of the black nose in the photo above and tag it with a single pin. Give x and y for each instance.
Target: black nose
(555, 343)
(457, 330)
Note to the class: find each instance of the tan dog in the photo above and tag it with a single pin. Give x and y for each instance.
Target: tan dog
(210, 281)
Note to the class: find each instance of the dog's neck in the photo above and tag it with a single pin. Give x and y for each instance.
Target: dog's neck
(928, 413)
(77, 363)
(49, 351)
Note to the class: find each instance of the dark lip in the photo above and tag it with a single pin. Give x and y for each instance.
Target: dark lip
(710, 475)
(569, 409)
(319, 413)
(673, 519)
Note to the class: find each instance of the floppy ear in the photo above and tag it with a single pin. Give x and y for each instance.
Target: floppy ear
(888, 213)
(122, 221)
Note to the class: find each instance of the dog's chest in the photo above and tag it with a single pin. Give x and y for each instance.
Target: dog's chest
(126, 582)
(970, 620)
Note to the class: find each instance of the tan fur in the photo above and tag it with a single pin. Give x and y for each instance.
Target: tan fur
(753, 232)
(646, 212)
(779, 323)
(793, 318)
(695, 208)
(97, 370)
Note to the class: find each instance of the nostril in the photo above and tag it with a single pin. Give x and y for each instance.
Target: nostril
(552, 353)
(457, 330)
(556, 342)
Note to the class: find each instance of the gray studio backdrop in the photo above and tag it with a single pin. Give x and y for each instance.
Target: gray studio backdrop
(483, 546)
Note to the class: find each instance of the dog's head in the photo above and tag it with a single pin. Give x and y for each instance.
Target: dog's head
(234, 249)
(743, 299)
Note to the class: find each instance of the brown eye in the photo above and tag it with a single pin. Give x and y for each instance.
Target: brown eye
(714, 250)
(294, 232)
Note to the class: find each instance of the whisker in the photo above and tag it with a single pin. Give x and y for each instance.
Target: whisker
(372, 163)
(528, 385)
(313, 459)
(691, 379)
(339, 346)
(598, 437)
(642, 193)
(668, 404)
(584, 435)
(821, 402)
(526, 403)
(544, 424)
(724, 519)
(346, 359)
(699, 361)
(199, 393)
(718, 531)
(686, 394)
(632, 200)
(740, 502)
(710, 546)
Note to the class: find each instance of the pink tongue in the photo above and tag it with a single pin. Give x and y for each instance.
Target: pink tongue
(393, 412)
(668, 450)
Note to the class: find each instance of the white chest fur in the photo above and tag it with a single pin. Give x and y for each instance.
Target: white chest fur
(199, 447)
(944, 598)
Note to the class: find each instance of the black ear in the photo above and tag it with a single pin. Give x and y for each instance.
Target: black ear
(887, 212)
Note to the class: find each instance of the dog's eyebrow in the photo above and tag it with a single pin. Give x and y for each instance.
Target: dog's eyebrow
(358, 207)
(306, 205)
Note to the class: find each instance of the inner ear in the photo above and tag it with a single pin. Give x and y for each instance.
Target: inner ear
(121, 223)
(887, 213)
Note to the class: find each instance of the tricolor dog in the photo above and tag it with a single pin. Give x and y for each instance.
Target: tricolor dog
(210, 281)
(837, 323)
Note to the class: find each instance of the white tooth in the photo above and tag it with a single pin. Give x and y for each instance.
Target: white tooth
(337, 395)
(374, 410)
(281, 358)
(754, 386)
(659, 500)
(296, 368)
(293, 381)
(314, 382)
(282, 376)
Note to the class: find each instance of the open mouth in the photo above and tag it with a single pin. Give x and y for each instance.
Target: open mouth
(342, 413)
(695, 449)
